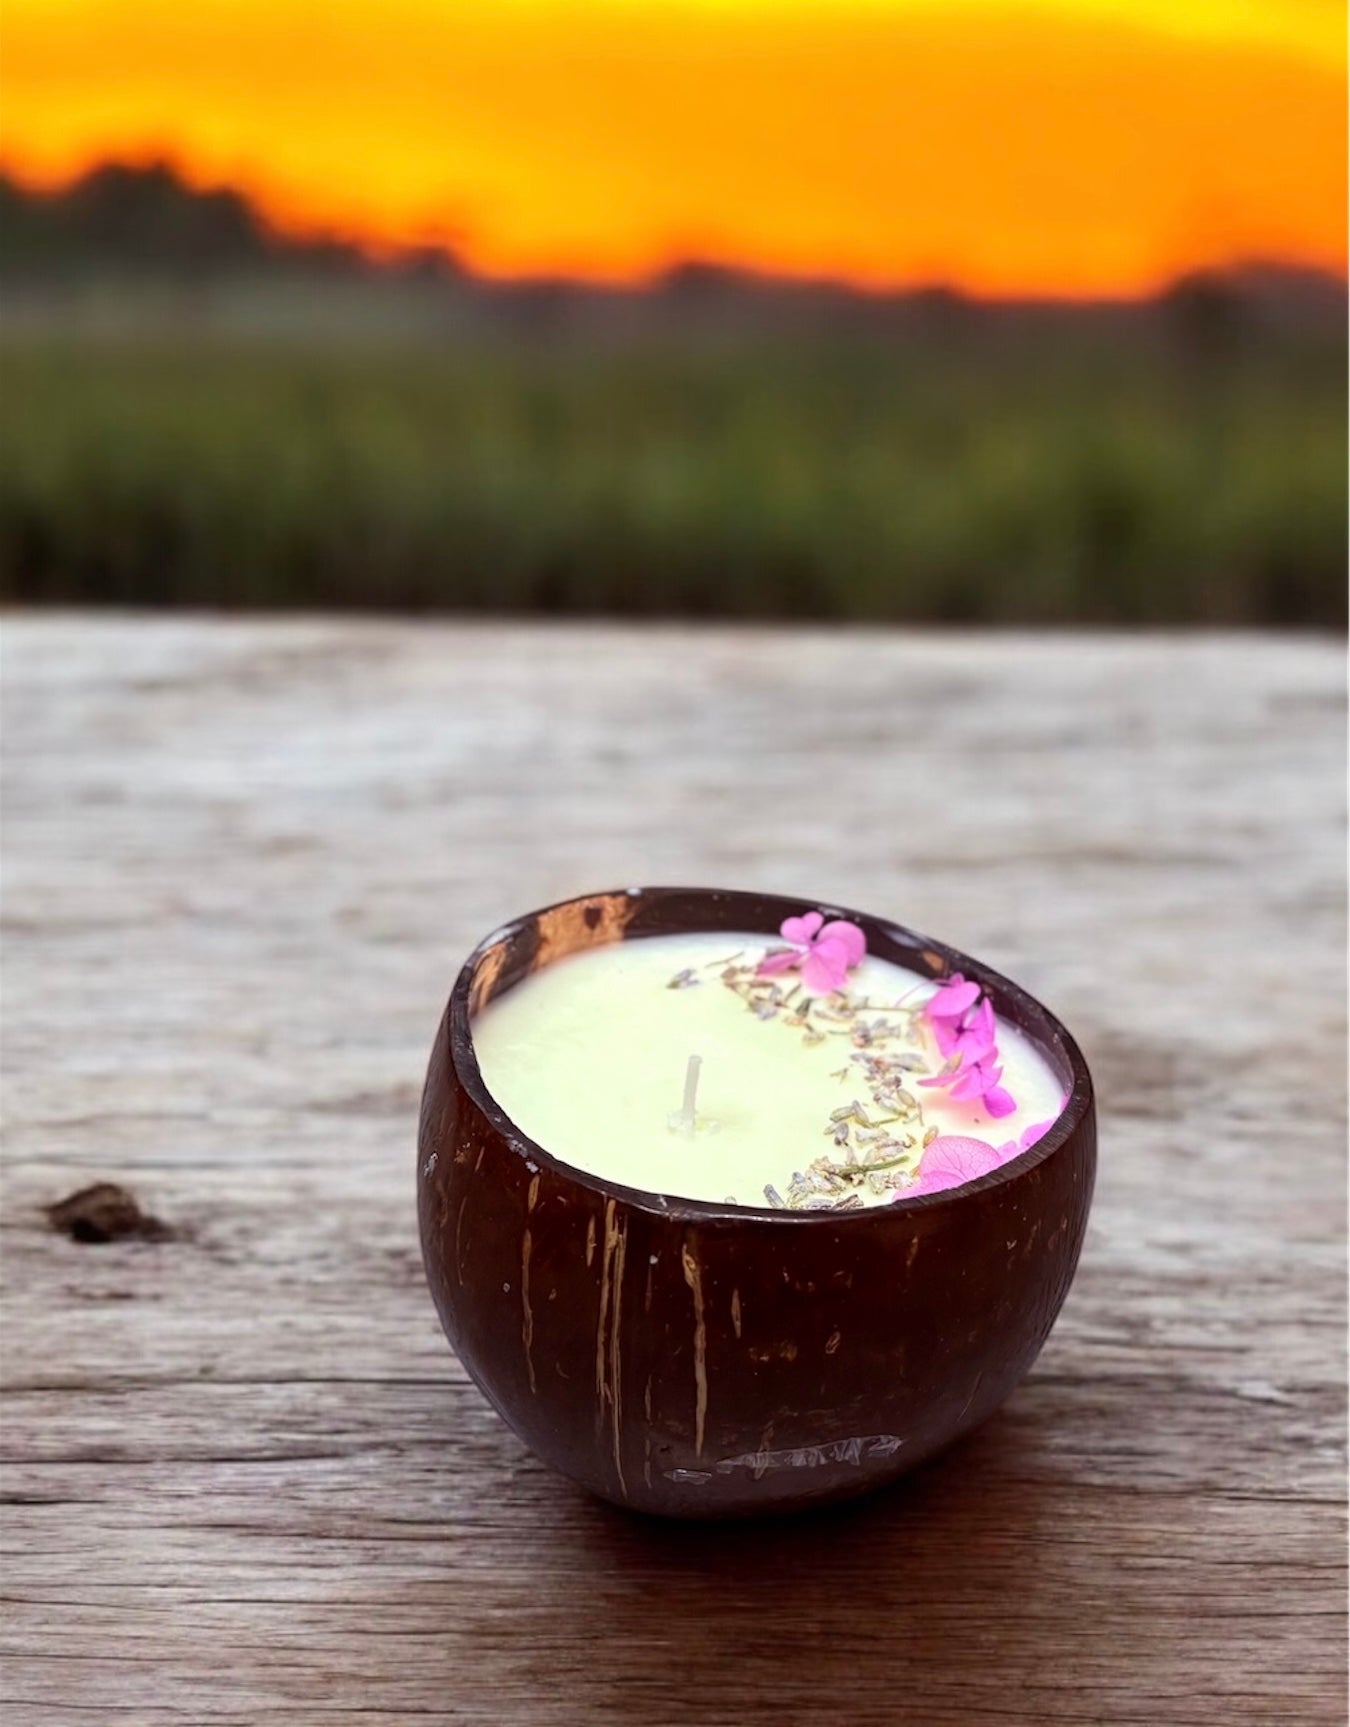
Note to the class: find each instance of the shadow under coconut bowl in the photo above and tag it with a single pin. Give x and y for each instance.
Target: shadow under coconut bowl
(704, 1360)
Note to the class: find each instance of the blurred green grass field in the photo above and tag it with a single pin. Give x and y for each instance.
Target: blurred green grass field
(1030, 480)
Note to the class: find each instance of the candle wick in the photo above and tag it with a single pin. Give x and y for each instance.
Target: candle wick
(691, 1073)
(685, 1118)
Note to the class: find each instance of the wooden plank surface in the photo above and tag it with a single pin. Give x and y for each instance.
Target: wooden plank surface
(246, 1481)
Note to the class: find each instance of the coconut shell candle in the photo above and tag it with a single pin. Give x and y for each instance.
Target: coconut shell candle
(733, 1204)
(836, 1086)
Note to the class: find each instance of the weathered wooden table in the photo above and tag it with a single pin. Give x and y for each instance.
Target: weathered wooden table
(246, 1480)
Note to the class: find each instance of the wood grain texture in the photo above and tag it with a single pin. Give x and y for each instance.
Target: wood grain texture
(246, 1481)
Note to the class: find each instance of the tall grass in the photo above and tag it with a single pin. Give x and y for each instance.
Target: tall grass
(1028, 480)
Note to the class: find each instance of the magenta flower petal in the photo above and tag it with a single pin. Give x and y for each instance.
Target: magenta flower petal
(780, 959)
(999, 1102)
(852, 939)
(974, 1048)
(980, 1024)
(954, 998)
(951, 1160)
(968, 1083)
(800, 930)
(1029, 1136)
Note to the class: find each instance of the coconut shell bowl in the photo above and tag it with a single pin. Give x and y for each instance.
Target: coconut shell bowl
(694, 1359)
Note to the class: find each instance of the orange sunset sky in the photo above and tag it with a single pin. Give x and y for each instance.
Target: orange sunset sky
(1070, 147)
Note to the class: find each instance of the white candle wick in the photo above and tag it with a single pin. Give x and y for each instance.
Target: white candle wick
(691, 1073)
(685, 1118)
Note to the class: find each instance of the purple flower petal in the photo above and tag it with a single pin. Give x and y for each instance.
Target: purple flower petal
(801, 929)
(954, 998)
(1030, 1135)
(853, 940)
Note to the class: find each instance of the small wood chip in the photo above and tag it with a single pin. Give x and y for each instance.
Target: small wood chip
(105, 1212)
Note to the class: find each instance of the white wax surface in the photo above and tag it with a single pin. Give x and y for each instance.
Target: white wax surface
(588, 1057)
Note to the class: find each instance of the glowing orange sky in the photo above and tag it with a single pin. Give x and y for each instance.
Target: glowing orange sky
(1071, 147)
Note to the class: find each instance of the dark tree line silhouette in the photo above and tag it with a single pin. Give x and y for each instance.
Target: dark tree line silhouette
(139, 222)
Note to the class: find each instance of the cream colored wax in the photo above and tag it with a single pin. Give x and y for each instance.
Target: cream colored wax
(590, 1057)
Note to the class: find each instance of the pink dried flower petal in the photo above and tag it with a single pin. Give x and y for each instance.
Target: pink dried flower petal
(780, 959)
(824, 951)
(971, 1080)
(825, 968)
(972, 1038)
(1029, 1137)
(950, 1161)
(800, 930)
(999, 1102)
(850, 936)
(980, 1024)
(954, 998)
(976, 1080)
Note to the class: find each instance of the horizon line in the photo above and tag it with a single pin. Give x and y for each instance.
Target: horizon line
(390, 256)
